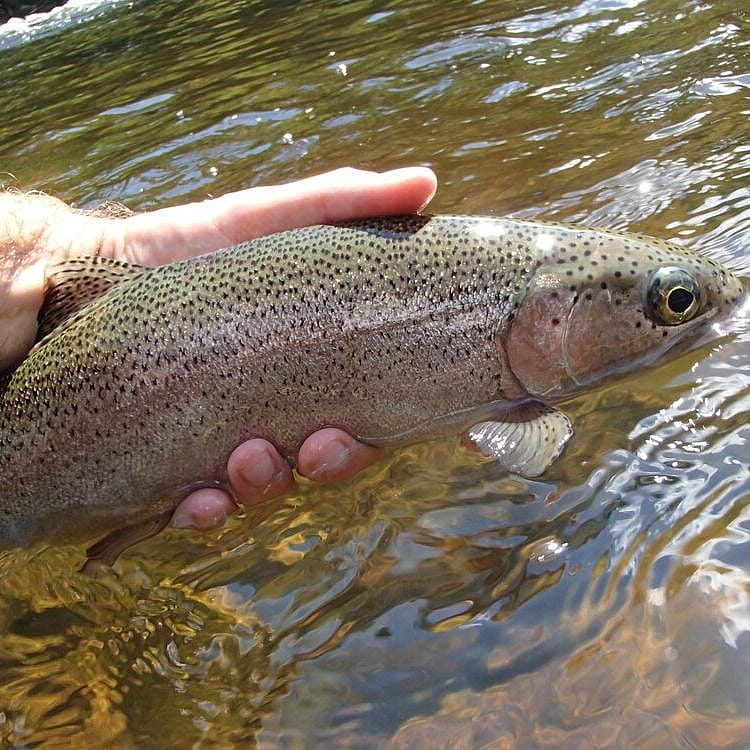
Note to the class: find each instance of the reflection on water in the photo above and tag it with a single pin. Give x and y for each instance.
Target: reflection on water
(60, 17)
(434, 601)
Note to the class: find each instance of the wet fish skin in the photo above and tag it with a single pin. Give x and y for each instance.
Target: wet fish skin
(393, 328)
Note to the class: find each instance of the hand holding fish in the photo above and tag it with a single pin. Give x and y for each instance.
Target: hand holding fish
(37, 231)
(148, 383)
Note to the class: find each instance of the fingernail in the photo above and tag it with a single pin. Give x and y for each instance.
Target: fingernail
(204, 509)
(261, 472)
(201, 521)
(331, 457)
(182, 519)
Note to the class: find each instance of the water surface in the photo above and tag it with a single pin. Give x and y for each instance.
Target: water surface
(434, 601)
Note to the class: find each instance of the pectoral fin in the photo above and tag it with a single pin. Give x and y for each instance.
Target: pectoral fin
(75, 283)
(107, 550)
(526, 440)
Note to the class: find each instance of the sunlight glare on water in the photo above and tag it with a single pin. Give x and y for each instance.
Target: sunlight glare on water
(23, 30)
(434, 601)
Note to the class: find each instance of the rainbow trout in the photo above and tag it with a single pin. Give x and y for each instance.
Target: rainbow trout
(395, 329)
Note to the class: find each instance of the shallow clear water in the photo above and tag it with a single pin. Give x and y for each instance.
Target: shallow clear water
(433, 601)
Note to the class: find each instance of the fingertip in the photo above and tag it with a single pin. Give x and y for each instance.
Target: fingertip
(421, 180)
(203, 510)
(331, 454)
(351, 193)
(430, 184)
(257, 472)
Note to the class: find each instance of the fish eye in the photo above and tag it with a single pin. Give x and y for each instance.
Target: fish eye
(673, 296)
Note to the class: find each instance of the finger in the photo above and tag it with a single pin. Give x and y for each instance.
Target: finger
(331, 454)
(179, 232)
(203, 510)
(257, 472)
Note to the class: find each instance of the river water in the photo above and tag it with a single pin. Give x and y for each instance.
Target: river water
(433, 601)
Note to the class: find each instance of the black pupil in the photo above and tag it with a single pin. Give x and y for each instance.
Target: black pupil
(679, 300)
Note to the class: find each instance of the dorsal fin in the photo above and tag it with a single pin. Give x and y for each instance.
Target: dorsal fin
(72, 284)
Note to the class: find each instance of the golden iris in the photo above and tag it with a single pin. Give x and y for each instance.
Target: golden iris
(673, 296)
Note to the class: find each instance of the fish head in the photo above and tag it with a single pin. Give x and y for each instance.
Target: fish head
(604, 303)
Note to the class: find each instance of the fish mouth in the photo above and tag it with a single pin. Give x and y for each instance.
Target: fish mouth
(726, 327)
(740, 318)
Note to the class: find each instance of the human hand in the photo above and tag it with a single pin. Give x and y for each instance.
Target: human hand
(37, 231)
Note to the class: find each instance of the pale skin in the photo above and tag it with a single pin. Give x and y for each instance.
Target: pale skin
(37, 231)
